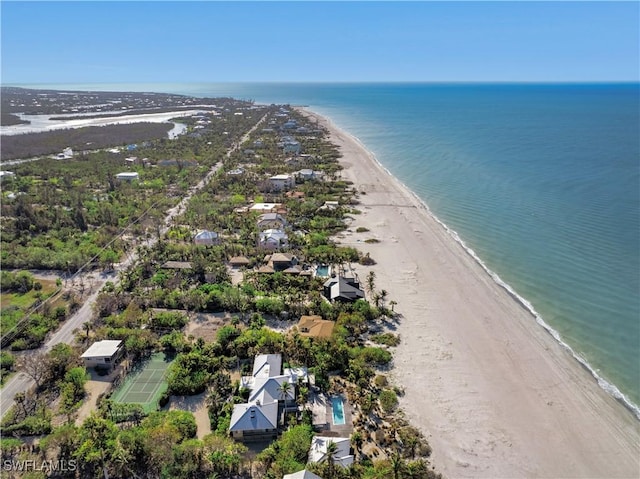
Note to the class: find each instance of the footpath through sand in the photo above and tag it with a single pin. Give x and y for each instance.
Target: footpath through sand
(494, 393)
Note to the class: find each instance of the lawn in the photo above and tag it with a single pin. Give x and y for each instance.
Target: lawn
(13, 306)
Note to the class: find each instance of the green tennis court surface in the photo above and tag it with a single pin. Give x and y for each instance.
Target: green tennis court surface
(145, 384)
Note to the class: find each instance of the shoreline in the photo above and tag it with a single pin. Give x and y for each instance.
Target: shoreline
(496, 394)
(608, 387)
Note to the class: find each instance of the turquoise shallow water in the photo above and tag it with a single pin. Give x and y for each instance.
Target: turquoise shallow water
(541, 181)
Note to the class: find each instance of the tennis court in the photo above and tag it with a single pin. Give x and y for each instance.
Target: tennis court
(145, 384)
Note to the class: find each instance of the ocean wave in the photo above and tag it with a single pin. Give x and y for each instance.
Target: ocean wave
(605, 385)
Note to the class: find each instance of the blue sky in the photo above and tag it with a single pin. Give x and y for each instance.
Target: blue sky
(72, 42)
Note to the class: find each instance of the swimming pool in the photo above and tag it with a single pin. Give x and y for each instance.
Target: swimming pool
(337, 407)
(322, 270)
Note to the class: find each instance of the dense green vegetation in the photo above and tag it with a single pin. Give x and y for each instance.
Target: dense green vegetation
(153, 301)
(29, 145)
(8, 119)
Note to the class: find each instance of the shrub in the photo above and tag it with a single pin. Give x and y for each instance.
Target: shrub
(361, 229)
(6, 360)
(377, 356)
(388, 400)
(380, 381)
(388, 339)
(169, 320)
(372, 240)
(367, 260)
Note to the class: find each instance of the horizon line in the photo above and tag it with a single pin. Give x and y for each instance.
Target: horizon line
(334, 82)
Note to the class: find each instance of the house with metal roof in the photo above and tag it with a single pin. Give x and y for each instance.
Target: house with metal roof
(340, 288)
(258, 418)
(271, 220)
(254, 421)
(128, 176)
(342, 456)
(281, 182)
(206, 237)
(103, 354)
(304, 474)
(273, 239)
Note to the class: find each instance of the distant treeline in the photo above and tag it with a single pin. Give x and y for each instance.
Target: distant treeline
(88, 138)
(8, 119)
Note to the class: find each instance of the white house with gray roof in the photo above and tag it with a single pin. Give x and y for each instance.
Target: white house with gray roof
(102, 354)
(254, 421)
(258, 418)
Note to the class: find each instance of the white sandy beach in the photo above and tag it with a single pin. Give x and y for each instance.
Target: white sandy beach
(494, 393)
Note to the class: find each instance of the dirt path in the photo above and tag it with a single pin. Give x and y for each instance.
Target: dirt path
(198, 406)
(96, 386)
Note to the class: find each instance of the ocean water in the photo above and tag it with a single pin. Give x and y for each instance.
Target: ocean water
(542, 182)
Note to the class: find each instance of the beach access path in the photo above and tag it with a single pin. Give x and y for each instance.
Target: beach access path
(494, 393)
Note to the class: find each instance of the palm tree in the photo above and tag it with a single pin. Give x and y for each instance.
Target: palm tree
(398, 465)
(383, 296)
(284, 389)
(332, 448)
(371, 281)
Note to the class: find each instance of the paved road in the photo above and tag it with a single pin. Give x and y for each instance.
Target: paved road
(21, 382)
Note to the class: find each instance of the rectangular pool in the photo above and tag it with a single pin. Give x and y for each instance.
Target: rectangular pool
(322, 271)
(337, 408)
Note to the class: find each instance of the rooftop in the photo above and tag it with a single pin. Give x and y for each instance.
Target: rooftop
(105, 348)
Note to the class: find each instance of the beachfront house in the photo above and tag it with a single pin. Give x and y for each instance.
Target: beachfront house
(340, 288)
(271, 393)
(281, 182)
(103, 354)
(254, 422)
(341, 457)
(315, 327)
(330, 205)
(307, 174)
(281, 261)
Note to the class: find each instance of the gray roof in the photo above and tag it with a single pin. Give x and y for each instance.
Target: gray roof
(269, 389)
(102, 349)
(267, 365)
(342, 289)
(206, 235)
(252, 417)
(318, 450)
(272, 217)
(304, 474)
